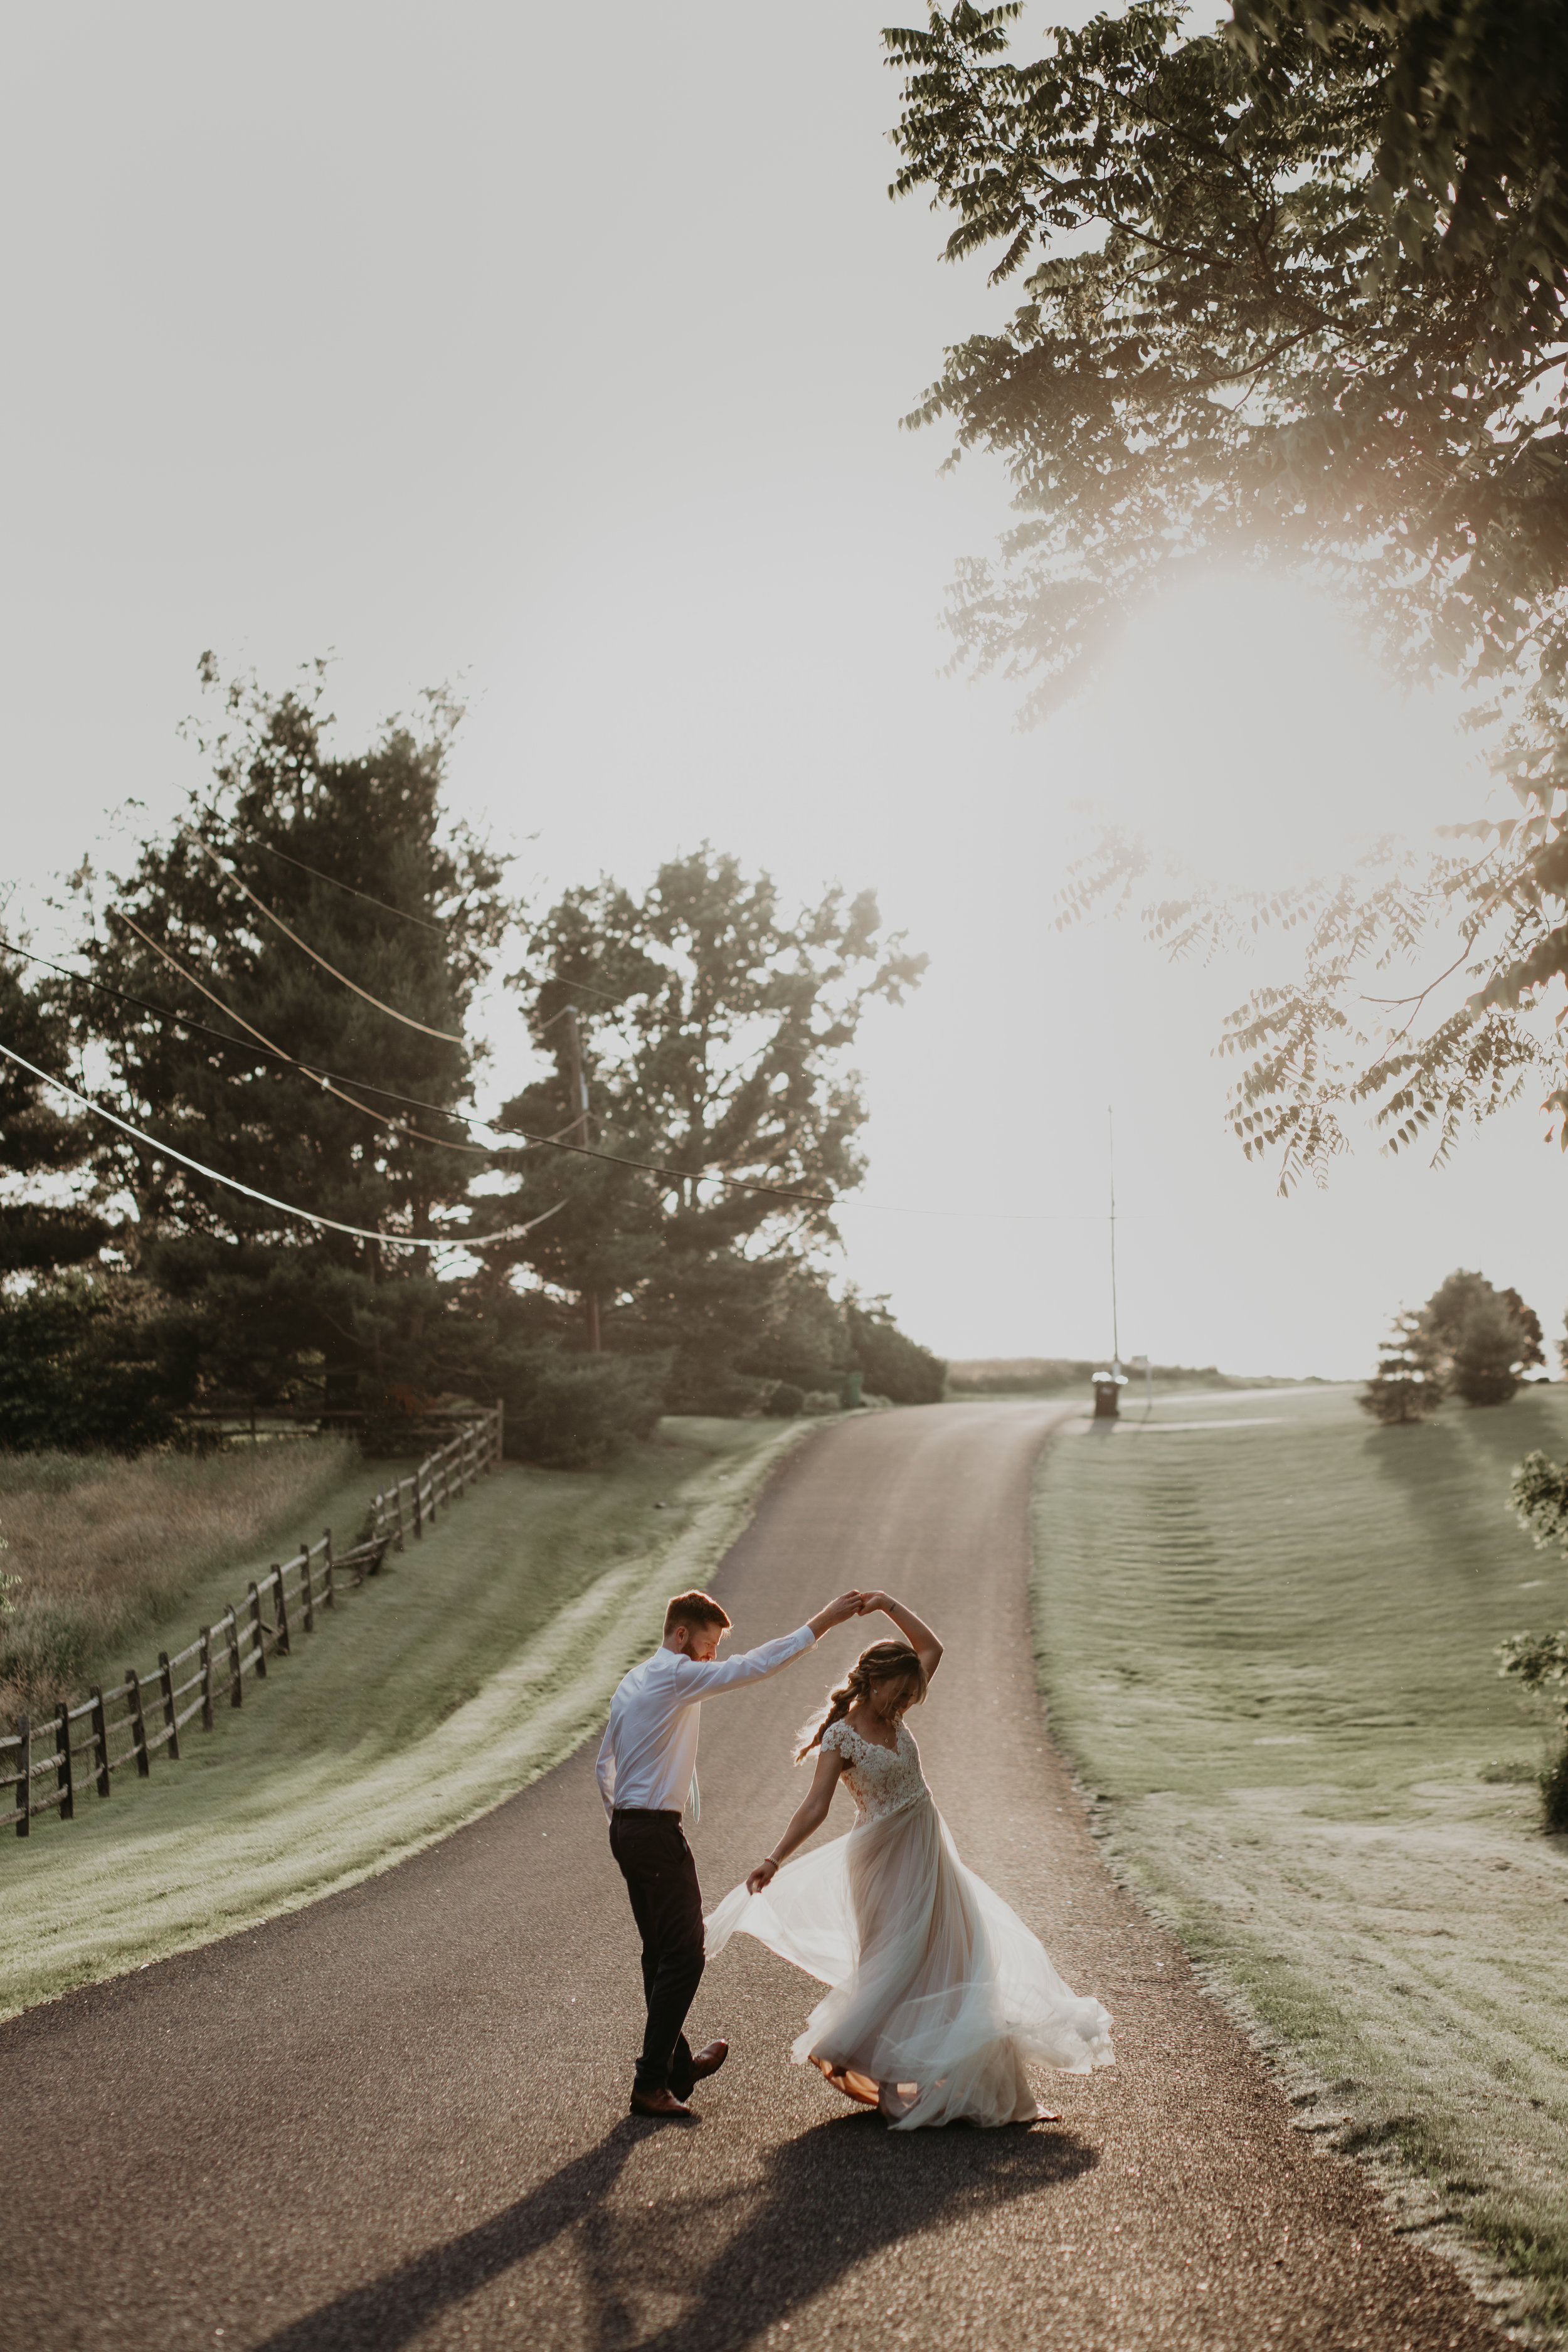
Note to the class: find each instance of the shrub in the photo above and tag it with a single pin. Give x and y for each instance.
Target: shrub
(88, 1362)
(896, 1366)
(785, 1400)
(1539, 1500)
(1480, 1339)
(822, 1400)
(1555, 1791)
(1482, 1369)
(574, 1412)
(697, 1383)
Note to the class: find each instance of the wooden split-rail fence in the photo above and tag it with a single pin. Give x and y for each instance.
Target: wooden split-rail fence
(80, 1747)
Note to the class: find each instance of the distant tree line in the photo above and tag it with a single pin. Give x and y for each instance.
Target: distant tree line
(275, 1006)
(1470, 1341)
(1019, 1375)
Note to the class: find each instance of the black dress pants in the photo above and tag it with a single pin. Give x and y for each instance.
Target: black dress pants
(666, 1903)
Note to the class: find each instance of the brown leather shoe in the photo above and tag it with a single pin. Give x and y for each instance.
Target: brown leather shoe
(709, 2061)
(660, 2103)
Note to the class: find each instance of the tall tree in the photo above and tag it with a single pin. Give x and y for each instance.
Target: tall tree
(1244, 340)
(39, 1140)
(1479, 1340)
(711, 1030)
(316, 916)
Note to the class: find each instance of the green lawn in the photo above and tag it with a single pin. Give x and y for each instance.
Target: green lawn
(474, 1662)
(1267, 1641)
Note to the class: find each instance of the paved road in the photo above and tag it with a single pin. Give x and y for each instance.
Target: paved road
(397, 2119)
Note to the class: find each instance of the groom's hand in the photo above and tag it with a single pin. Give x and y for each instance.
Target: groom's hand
(836, 1612)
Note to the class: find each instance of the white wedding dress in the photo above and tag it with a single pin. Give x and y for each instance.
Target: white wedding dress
(939, 1997)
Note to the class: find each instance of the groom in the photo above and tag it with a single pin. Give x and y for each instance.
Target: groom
(647, 1766)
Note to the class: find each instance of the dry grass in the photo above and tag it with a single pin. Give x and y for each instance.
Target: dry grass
(100, 1547)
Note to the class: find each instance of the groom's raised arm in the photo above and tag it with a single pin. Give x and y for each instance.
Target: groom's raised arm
(704, 1678)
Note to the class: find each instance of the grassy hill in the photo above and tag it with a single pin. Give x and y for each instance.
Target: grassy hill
(474, 1662)
(1267, 1629)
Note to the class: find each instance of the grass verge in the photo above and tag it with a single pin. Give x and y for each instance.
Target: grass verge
(475, 1661)
(1266, 1638)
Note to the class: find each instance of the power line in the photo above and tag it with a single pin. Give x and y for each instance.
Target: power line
(416, 1102)
(448, 1036)
(400, 1127)
(330, 1224)
(401, 912)
(403, 916)
(842, 1202)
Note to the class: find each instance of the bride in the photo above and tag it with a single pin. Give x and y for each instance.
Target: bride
(938, 1994)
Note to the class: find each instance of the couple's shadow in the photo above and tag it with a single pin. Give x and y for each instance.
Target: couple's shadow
(827, 2201)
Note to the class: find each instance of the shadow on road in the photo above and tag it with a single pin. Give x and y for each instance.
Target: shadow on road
(825, 2203)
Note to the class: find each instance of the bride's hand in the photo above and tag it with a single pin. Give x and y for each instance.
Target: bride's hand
(871, 1602)
(763, 1876)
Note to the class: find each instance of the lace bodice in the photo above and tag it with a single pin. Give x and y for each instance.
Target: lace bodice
(881, 1779)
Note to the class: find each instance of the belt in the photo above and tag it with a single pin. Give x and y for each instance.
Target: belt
(646, 1812)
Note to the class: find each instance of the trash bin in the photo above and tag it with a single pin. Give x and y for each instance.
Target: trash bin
(1108, 1388)
(849, 1394)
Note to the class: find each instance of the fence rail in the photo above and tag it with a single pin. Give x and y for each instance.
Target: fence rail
(129, 1722)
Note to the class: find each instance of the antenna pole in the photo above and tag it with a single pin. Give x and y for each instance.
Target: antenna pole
(1111, 1163)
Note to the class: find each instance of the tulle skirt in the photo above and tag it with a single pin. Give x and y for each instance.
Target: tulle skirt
(939, 1997)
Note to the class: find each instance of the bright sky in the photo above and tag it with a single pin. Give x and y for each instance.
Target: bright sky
(560, 352)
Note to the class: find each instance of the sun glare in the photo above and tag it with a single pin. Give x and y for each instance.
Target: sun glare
(1242, 729)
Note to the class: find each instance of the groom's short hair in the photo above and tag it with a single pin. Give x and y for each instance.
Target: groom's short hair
(695, 1611)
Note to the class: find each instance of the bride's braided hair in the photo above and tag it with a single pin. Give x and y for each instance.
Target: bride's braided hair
(883, 1661)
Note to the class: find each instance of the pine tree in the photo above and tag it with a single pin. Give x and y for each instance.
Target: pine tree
(1404, 1386)
(39, 1137)
(295, 855)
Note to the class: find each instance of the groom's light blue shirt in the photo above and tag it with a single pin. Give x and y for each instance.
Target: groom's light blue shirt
(649, 1758)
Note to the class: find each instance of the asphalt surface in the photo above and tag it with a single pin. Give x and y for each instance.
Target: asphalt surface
(398, 2118)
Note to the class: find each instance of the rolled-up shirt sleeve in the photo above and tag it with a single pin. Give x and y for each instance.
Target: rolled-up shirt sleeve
(705, 1679)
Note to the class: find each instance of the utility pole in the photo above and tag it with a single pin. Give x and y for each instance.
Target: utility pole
(577, 1091)
(1111, 1162)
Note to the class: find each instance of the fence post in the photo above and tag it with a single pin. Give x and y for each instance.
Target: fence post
(207, 1639)
(397, 1498)
(500, 1431)
(100, 1732)
(418, 1508)
(64, 1780)
(166, 1676)
(330, 1595)
(306, 1579)
(255, 1630)
(25, 1786)
(138, 1722)
(282, 1611)
(235, 1679)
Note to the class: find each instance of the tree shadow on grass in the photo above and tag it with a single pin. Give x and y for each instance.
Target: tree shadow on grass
(827, 2201)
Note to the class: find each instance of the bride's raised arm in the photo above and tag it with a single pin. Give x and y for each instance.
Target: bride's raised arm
(915, 1630)
(808, 1815)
